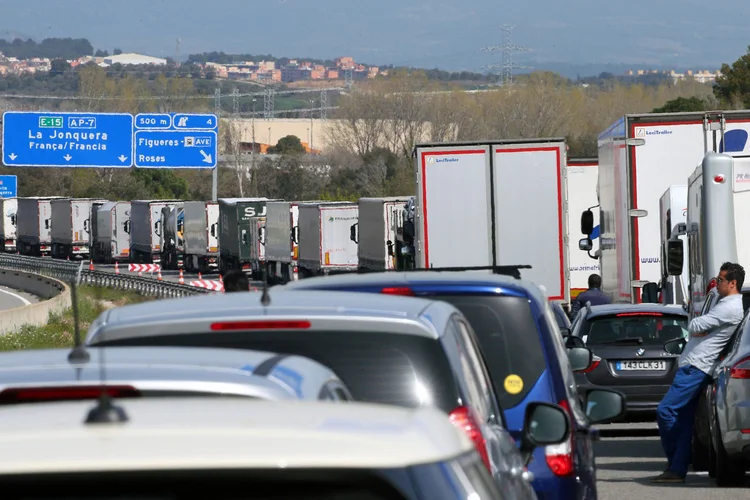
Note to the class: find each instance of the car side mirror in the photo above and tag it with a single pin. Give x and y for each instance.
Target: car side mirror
(585, 244)
(571, 341)
(587, 222)
(604, 406)
(675, 346)
(544, 424)
(675, 257)
(580, 358)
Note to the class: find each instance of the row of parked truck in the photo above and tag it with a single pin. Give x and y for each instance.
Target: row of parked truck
(255, 234)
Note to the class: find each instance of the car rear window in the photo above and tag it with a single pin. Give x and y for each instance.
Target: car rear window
(509, 339)
(653, 329)
(386, 368)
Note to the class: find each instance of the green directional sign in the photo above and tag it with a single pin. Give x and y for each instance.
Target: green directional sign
(50, 122)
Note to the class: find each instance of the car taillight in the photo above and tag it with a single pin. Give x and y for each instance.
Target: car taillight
(463, 418)
(741, 369)
(559, 457)
(38, 394)
(261, 325)
(594, 365)
(398, 290)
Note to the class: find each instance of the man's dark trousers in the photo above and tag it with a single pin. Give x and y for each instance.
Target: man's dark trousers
(676, 414)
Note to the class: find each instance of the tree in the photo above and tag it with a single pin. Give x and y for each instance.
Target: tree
(289, 145)
(733, 85)
(101, 53)
(58, 67)
(681, 104)
(116, 52)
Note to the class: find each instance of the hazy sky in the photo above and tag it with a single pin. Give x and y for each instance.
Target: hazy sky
(443, 33)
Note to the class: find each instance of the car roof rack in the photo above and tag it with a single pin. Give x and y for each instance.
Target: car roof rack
(509, 270)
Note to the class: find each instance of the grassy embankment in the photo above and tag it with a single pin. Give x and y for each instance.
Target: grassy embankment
(58, 332)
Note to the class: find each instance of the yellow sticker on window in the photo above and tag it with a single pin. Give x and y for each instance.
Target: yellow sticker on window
(513, 384)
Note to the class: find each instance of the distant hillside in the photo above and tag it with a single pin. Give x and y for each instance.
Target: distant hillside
(52, 48)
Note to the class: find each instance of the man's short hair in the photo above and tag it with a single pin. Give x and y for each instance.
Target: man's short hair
(236, 281)
(735, 272)
(595, 281)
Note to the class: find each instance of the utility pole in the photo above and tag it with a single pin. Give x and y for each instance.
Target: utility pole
(268, 103)
(312, 101)
(323, 104)
(177, 60)
(507, 48)
(252, 121)
(215, 173)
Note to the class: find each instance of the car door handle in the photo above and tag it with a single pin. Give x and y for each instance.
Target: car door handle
(523, 473)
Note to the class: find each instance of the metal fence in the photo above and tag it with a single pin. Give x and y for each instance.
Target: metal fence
(71, 271)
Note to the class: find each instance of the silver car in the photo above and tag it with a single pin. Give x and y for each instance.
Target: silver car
(401, 351)
(47, 375)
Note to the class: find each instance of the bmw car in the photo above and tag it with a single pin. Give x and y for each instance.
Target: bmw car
(629, 355)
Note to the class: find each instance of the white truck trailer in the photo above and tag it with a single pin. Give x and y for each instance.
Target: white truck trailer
(146, 229)
(71, 227)
(582, 176)
(469, 205)
(201, 236)
(112, 237)
(381, 222)
(282, 241)
(718, 205)
(640, 156)
(672, 220)
(34, 219)
(325, 244)
(9, 207)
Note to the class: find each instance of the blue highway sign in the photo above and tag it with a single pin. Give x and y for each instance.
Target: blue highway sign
(153, 121)
(195, 122)
(33, 139)
(175, 149)
(8, 186)
(189, 142)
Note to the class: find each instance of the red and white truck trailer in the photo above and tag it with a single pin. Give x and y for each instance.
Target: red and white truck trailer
(582, 175)
(640, 156)
(494, 203)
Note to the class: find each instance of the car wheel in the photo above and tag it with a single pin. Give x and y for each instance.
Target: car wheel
(728, 472)
(699, 455)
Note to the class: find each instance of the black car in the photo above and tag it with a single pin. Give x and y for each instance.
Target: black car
(628, 345)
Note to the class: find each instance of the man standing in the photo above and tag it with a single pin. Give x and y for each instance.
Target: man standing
(594, 295)
(709, 334)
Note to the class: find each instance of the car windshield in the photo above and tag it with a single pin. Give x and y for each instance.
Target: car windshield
(402, 370)
(651, 328)
(505, 327)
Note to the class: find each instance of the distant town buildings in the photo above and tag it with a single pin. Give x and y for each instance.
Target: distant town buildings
(255, 71)
(702, 76)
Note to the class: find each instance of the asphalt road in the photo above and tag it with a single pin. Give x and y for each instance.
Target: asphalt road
(10, 298)
(629, 455)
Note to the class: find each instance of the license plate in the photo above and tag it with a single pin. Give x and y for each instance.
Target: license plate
(655, 365)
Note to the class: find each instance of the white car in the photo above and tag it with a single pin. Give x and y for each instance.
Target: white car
(241, 448)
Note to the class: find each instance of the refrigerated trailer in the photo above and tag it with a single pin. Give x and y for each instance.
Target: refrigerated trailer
(112, 237)
(146, 229)
(9, 207)
(381, 223)
(325, 243)
(672, 219)
(71, 227)
(235, 217)
(94, 229)
(582, 175)
(718, 206)
(172, 236)
(492, 204)
(640, 156)
(201, 236)
(34, 218)
(282, 241)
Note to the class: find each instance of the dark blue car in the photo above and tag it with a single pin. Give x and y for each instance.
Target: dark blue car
(523, 349)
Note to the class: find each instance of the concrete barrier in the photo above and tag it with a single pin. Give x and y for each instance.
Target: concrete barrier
(54, 298)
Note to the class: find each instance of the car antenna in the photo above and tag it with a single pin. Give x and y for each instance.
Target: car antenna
(265, 299)
(105, 411)
(78, 354)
